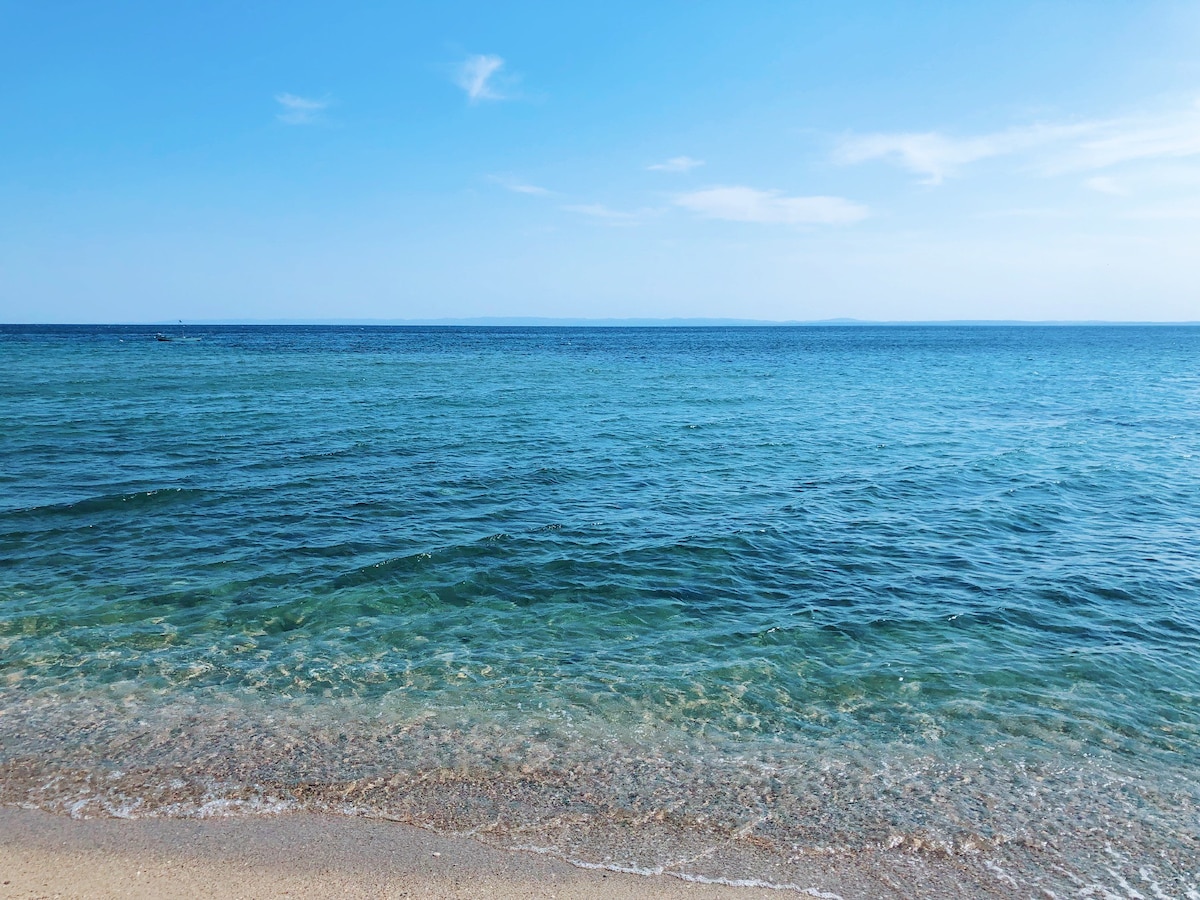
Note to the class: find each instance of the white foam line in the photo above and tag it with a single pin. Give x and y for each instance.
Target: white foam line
(1155, 887)
(757, 883)
(682, 876)
(1092, 890)
(1000, 873)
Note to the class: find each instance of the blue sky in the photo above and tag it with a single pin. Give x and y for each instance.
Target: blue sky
(768, 160)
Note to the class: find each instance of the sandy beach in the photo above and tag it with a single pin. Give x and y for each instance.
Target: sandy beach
(300, 855)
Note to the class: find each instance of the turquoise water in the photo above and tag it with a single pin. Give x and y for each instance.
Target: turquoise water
(885, 596)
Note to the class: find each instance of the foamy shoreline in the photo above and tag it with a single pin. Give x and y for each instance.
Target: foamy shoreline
(319, 855)
(298, 854)
(189, 773)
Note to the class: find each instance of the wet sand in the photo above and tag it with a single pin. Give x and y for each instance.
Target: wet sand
(293, 855)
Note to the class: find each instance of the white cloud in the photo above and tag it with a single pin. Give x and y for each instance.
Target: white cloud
(1051, 149)
(676, 164)
(604, 213)
(520, 187)
(475, 76)
(1105, 185)
(1117, 141)
(937, 156)
(1168, 212)
(1165, 180)
(744, 204)
(1026, 212)
(299, 110)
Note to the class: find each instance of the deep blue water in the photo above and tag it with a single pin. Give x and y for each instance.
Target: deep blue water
(893, 588)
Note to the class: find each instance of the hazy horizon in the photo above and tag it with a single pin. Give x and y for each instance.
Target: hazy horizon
(575, 322)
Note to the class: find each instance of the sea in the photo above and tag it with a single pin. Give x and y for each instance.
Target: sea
(860, 611)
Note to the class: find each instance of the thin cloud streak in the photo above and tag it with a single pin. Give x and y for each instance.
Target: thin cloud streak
(299, 110)
(745, 204)
(520, 187)
(1171, 212)
(1104, 185)
(610, 216)
(1050, 149)
(1175, 136)
(937, 156)
(676, 164)
(475, 77)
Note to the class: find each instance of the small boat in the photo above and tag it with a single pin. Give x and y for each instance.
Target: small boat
(159, 336)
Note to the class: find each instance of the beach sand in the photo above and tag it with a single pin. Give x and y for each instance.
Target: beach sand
(292, 855)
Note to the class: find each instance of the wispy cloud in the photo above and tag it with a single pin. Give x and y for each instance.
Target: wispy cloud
(677, 164)
(610, 216)
(937, 156)
(476, 75)
(519, 187)
(745, 204)
(1168, 212)
(1105, 185)
(1026, 212)
(1051, 149)
(299, 110)
(1110, 143)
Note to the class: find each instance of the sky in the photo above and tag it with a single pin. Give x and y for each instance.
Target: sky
(771, 160)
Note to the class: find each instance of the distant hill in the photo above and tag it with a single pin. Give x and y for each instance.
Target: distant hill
(551, 322)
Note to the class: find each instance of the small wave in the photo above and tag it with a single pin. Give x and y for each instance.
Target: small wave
(682, 876)
(136, 500)
(384, 570)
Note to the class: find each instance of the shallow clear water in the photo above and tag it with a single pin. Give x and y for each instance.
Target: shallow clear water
(927, 593)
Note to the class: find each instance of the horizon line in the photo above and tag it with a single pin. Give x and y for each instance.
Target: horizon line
(605, 322)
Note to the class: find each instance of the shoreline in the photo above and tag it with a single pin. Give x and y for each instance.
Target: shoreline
(318, 855)
(336, 808)
(293, 854)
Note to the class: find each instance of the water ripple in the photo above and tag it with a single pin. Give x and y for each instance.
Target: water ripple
(921, 590)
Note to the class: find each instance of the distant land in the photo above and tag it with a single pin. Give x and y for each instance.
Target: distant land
(551, 322)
